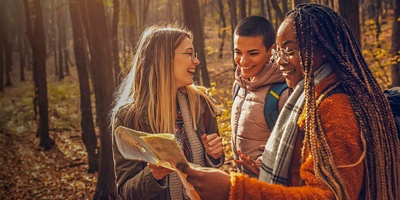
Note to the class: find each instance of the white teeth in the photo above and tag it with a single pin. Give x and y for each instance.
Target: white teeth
(286, 72)
(191, 70)
(246, 68)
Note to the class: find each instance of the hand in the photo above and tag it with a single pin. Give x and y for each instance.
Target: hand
(158, 172)
(209, 183)
(246, 161)
(213, 145)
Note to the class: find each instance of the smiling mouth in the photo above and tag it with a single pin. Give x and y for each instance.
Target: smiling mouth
(191, 71)
(287, 72)
(247, 68)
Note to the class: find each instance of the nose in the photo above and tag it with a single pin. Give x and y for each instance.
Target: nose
(196, 61)
(279, 61)
(244, 60)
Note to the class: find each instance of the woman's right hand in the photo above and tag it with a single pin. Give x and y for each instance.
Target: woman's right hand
(158, 172)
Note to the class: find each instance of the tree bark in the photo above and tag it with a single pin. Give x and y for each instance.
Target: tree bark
(279, 14)
(222, 34)
(396, 45)
(192, 19)
(88, 134)
(234, 21)
(115, 49)
(37, 40)
(348, 9)
(242, 9)
(103, 83)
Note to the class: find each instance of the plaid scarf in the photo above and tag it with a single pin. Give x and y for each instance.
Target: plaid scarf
(280, 146)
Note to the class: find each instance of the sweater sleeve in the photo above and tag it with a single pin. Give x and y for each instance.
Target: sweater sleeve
(134, 179)
(343, 136)
(211, 126)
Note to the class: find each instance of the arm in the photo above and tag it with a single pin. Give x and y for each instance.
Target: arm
(216, 159)
(134, 178)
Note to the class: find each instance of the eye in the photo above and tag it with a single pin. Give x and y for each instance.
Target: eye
(291, 52)
(254, 53)
(238, 52)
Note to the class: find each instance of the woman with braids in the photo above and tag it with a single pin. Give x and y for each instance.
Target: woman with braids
(335, 137)
(159, 96)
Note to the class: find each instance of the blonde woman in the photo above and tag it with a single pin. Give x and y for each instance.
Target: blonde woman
(159, 96)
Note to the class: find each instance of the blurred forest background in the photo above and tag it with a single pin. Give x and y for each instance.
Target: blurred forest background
(60, 61)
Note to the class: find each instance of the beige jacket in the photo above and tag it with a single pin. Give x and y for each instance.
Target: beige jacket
(249, 129)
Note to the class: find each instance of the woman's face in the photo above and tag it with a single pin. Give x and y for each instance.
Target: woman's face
(251, 55)
(286, 41)
(185, 62)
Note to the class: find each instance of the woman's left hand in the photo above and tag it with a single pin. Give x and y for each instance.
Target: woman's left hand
(213, 145)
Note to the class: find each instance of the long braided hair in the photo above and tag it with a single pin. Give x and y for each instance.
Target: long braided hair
(319, 26)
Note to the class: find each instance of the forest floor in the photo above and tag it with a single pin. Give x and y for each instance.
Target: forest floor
(30, 172)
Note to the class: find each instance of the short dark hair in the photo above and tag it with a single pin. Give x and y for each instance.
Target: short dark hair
(257, 26)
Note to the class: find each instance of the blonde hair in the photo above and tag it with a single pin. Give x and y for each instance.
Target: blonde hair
(146, 99)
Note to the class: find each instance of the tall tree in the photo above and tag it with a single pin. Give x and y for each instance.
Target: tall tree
(1, 57)
(242, 9)
(279, 14)
(349, 10)
(88, 134)
(35, 33)
(192, 19)
(396, 44)
(103, 84)
(223, 26)
(115, 49)
(234, 21)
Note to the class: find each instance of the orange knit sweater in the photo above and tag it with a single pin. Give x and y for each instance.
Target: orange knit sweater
(343, 136)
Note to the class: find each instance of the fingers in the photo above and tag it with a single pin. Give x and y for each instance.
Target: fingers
(213, 145)
(212, 141)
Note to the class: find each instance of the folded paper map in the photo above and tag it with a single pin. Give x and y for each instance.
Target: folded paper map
(160, 149)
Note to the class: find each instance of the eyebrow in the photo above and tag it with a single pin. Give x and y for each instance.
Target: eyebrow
(250, 51)
(288, 42)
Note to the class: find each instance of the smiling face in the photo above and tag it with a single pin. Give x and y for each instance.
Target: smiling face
(286, 39)
(251, 55)
(184, 63)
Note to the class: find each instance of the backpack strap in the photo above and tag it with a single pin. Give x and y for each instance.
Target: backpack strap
(235, 91)
(271, 104)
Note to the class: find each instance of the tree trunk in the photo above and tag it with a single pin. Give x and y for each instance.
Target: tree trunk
(249, 7)
(37, 39)
(396, 45)
(8, 59)
(279, 14)
(61, 46)
(234, 21)
(192, 19)
(268, 10)
(88, 134)
(117, 69)
(1, 61)
(103, 83)
(21, 45)
(242, 9)
(349, 11)
(222, 34)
